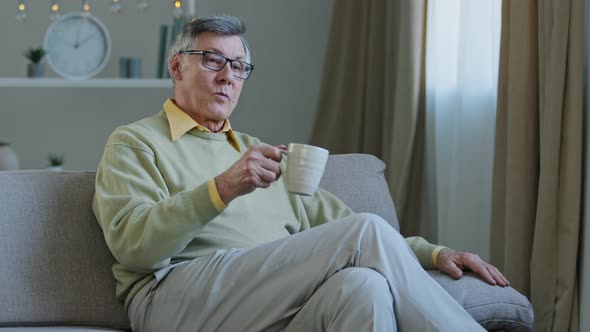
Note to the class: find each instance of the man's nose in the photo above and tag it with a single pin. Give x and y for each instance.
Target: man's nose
(225, 74)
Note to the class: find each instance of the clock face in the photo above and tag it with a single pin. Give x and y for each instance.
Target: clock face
(78, 46)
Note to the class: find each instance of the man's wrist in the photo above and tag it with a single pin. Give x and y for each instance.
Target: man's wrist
(435, 254)
(215, 196)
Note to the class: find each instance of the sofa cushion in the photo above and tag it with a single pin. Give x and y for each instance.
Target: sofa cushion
(56, 267)
(359, 182)
(495, 308)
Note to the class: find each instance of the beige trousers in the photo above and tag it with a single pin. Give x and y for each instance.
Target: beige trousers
(355, 274)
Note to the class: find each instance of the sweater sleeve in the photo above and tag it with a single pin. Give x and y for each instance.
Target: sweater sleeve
(424, 251)
(323, 207)
(143, 225)
(320, 208)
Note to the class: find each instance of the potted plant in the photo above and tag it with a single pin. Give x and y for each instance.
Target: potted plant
(56, 162)
(35, 55)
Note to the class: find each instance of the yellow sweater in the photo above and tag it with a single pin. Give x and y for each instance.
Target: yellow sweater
(154, 206)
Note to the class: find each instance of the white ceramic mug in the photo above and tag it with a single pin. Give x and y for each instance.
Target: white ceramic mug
(305, 167)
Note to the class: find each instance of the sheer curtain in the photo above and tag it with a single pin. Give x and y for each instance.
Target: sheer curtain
(462, 57)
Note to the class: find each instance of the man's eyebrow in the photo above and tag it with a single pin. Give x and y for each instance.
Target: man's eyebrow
(216, 50)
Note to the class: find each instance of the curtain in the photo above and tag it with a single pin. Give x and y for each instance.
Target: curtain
(462, 55)
(538, 156)
(372, 96)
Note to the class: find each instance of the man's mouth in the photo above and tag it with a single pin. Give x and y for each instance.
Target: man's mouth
(222, 95)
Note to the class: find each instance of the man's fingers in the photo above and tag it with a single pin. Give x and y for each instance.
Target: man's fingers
(271, 166)
(455, 272)
(267, 177)
(477, 265)
(502, 276)
(452, 262)
(487, 276)
(498, 276)
(448, 263)
(269, 151)
(451, 269)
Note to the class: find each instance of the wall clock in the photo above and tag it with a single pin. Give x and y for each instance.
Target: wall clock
(78, 46)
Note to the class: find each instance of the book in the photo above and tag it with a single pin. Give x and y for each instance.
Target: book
(177, 24)
(162, 66)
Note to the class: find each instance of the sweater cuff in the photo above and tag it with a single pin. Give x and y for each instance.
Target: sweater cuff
(435, 253)
(214, 196)
(423, 251)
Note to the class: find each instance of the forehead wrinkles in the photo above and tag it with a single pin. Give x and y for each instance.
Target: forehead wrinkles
(194, 44)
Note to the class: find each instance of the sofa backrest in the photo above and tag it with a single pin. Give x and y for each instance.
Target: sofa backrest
(358, 180)
(56, 267)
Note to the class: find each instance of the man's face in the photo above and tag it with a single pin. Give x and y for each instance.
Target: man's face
(209, 96)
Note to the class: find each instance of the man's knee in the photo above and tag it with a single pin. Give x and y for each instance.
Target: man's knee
(373, 222)
(364, 281)
(367, 288)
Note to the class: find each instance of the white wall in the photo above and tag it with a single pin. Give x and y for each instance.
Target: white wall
(278, 102)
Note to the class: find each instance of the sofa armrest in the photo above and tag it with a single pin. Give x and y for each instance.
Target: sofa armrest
(495, 308)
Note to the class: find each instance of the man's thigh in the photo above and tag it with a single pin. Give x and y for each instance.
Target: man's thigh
(252, 289)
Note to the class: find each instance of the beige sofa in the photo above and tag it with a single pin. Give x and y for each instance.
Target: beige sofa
(55, 270)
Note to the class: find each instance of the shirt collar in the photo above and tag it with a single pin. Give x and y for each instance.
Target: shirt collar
(180, 123)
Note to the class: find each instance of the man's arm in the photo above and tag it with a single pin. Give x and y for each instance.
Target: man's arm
(425, 252)
(453, 263)
(323, 207)
(143, 224)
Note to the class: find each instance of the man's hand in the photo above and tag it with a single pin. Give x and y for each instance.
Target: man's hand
(257, 168)
(454, 263)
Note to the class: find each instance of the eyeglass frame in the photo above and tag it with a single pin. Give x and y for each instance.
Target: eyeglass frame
(227, 60)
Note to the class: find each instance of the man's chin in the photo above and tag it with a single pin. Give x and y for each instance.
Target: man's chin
(220, 114)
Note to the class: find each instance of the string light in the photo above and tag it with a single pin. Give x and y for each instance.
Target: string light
(178, 8)
(54, 7)
(177, 11)
(86, 7)
(21, 14)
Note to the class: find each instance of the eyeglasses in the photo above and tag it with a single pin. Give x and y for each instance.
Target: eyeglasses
(215, 61)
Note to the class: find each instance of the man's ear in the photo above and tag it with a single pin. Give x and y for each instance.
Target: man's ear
(176, 67)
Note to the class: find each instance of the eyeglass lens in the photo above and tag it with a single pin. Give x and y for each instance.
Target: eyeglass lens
(217, 62)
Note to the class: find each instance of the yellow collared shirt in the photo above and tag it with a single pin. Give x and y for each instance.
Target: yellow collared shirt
(181, 123)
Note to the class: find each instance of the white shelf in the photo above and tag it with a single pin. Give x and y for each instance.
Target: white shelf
(90, 83)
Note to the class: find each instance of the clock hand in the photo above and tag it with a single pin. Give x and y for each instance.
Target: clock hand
(78, 33)
(86, 39)
(77, 42)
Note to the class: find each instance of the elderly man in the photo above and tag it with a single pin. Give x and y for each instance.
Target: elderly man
(207, 238)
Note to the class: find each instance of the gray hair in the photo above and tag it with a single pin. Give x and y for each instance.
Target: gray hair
(222, 25)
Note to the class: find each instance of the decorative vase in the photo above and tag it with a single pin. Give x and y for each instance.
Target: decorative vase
(8, 158)
(35, 70)
(55, 168)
